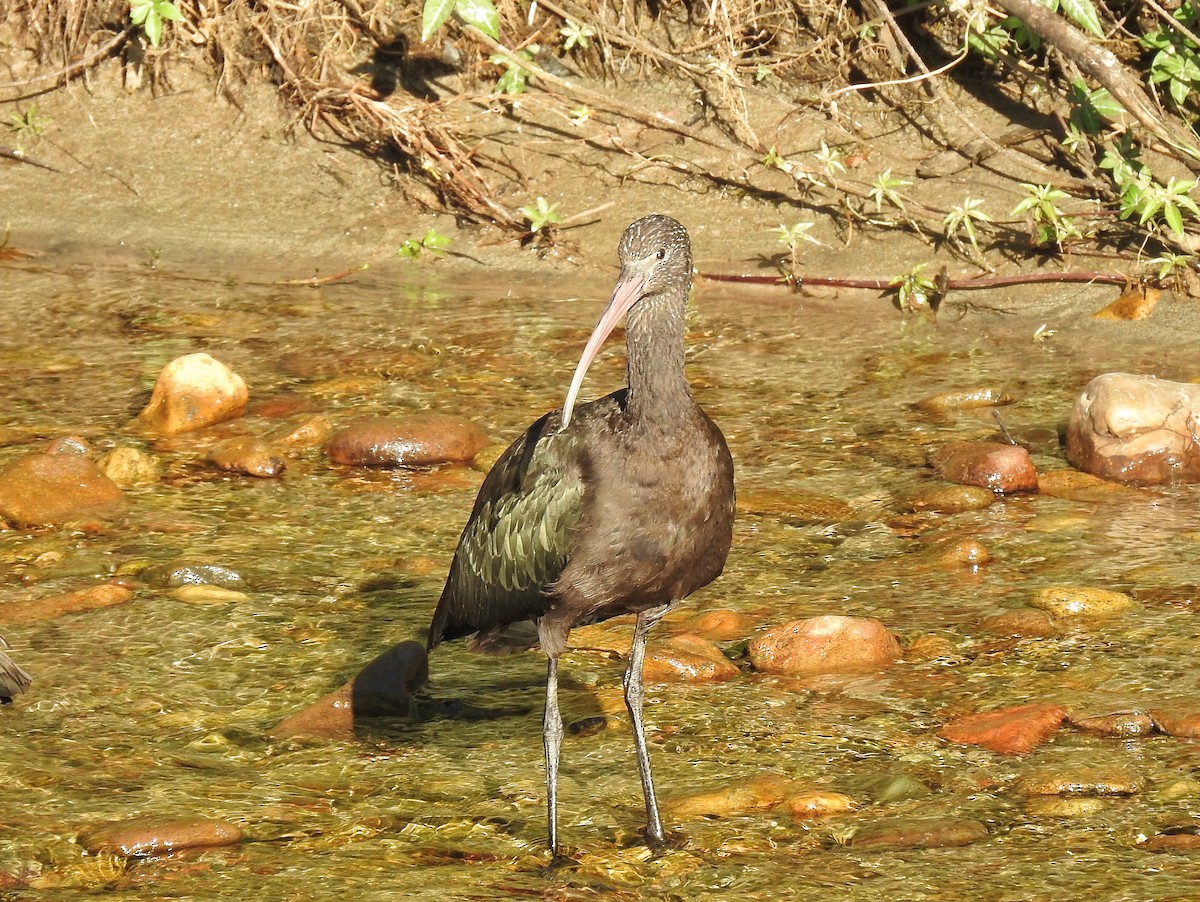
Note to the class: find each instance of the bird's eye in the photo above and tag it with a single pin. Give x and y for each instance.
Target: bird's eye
(661, 254)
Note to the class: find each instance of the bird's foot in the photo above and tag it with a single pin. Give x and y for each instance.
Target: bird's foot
(558, 861)
(668, 840)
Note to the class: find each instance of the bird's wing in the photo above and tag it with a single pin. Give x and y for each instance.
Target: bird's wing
(519, 536)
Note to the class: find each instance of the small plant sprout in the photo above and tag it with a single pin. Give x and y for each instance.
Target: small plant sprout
(434, 243)
(580, 115)
(480, 13)
(772, 159)
(791, 236)
(515, 76)
(964, 217)
(1170, 266)
(28, 124)
(914, 290)
(576, 35)
(831, 160)
(1051, 225)
(541, 216)
(886, 190)
(150, 15)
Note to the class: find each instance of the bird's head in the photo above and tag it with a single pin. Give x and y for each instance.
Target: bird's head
(656, 260)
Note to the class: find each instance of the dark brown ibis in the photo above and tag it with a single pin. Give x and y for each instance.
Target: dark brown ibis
(623, 505)
(13, 680)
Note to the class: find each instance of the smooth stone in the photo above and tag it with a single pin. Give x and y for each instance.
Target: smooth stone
(1009, 731)
(192, 392)
(953, 499)
(1064, 806)
(51, 607)
(247, 457)
(1081, 602)
(1088, 781)
(967, 399)
(207, 595)
(930, 648)
(794, 504)
(883, 788)
(1122, 724)
(959, 552)
(384, 688)
(826, 644)
(130, 466)
(1073, 485)
(1136, 429)
(486, 459)
(1186, 597)
(311, 433)
(687, 658)
(1178, 717)
(418, 440)
(991, 465)
(918, 833)
(737, 798)
(816, 803)
(1024, 622)
(171, 576)
(1184, 840)
(59, 485)
(721, 625)
(160, 835)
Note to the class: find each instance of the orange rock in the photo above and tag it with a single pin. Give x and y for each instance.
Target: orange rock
(720, 625)
(687, 658)
(160, 835)
(817, 803)
(247, 456)
(737, 798)
(827, 644)
(1022, 622)
(1009, 731)
(1178, 718)
(992, 465)
(413, 441)
(192, 392)
(52, 606)
(58, 485)
(1124, 724)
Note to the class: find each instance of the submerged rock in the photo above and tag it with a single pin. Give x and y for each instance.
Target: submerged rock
(192, 392)
(736, 798)
(794, 504)
(687, 658)
(160, 835)
(991, 465)
(59, 485)
(418, 440)
(1009, 731)
(918, 833)
(827, 644)
(1136, 429)
(1178, 717)
(130, 466)
(1081, 602)
(965, 399)
(1073, 485)
(1026, 622)
(1081, 781)
(953, 499)
(817, 803)
(1122, 724)
(384, 688)
(51, 607)
(720, 625)
(247, 457)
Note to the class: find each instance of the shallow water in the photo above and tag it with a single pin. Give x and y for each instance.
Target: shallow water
(159, 706)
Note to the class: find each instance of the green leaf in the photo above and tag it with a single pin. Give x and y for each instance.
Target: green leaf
(153, 27)
(168, 11)
(434, 16)
(480, 13)
(1083, 13)
(1174, 219)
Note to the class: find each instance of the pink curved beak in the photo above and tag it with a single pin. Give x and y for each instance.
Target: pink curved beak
(627, 292)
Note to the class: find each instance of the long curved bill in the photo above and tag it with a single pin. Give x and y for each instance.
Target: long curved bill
(626, 293)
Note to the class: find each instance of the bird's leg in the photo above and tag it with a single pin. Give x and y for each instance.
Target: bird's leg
(634, 694)
(552, 734)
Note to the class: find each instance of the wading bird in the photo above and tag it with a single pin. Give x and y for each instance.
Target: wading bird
(622, 505)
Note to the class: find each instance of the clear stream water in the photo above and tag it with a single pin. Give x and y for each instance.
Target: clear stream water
(159, 706)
